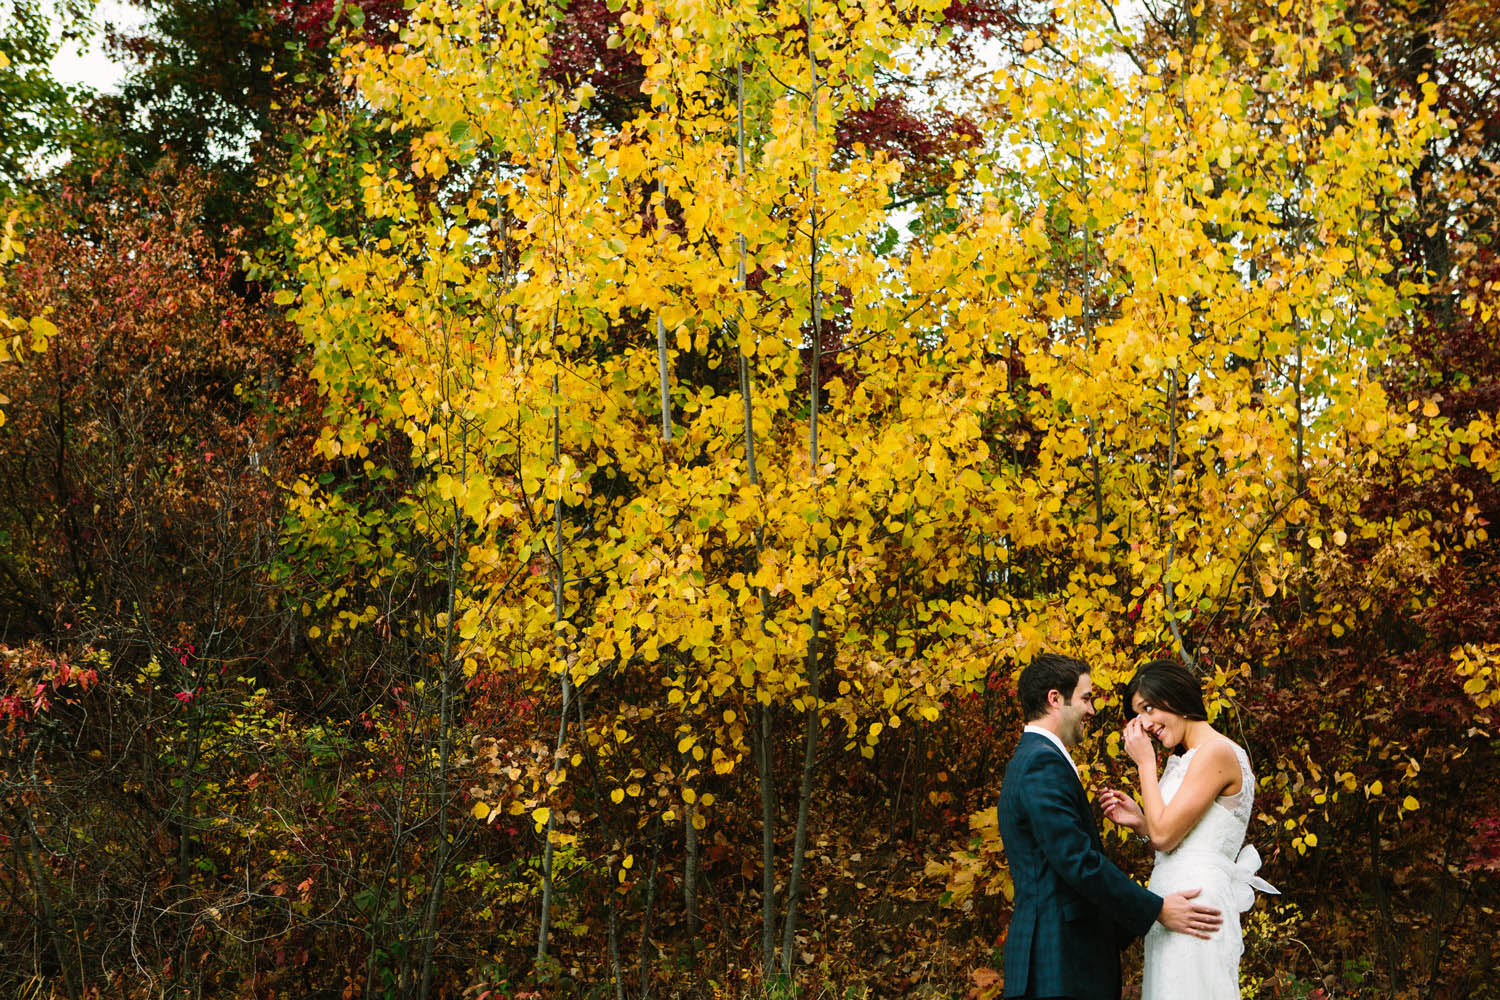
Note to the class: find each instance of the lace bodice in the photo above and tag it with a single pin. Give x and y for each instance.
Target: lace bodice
(1222, 829)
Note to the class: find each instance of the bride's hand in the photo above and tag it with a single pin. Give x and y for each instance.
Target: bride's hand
(1138, 745)
(1122, 810)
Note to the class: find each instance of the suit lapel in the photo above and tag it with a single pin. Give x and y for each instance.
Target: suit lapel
(1040, 744)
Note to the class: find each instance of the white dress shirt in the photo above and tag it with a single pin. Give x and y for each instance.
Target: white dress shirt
(1049, 734)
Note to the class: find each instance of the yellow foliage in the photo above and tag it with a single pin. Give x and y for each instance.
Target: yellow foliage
(14, 344)
(1120, 380)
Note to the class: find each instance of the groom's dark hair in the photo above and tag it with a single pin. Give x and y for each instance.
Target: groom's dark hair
(1048, 672)
(1167, 684)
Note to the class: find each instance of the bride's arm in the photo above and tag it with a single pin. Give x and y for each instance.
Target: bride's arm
(1212, 769)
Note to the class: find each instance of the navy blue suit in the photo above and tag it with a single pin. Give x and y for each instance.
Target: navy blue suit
(1074, 909)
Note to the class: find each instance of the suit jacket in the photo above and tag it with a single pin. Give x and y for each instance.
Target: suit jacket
(1074, 910)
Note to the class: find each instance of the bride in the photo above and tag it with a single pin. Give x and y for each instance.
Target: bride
(1195, 816)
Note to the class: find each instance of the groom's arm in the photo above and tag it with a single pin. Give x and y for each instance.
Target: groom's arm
(1070, 851)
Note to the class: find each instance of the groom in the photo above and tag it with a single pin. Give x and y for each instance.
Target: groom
(1074, 909)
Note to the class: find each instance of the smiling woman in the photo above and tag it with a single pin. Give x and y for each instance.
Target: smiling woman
(1164, 686)
(1195, 815)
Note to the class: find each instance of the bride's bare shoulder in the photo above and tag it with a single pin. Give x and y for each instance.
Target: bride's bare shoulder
(1221, 760)
(1219, 753)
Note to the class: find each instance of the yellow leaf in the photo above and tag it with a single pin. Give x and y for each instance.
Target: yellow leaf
(540, 815)
(481, 811)
(42, 330)
(1409, 803)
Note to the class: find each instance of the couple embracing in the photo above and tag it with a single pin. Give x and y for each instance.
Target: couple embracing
(1074, 909)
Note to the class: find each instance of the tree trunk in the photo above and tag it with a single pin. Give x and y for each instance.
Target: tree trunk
(647, 914)
(665, 386)
(1383, 904)
(767, 843)
(804, 800)
(764, 723)
(444, 735)
(1169, 588)
(44, 899)
(567, 681)
(812, 701)
(690, 885)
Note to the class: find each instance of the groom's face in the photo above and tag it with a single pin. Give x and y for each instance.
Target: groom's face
(1076, 711)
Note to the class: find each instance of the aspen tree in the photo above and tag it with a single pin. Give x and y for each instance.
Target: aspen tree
(933, 516)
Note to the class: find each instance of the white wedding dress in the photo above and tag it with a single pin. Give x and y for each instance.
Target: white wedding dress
(1211, 857)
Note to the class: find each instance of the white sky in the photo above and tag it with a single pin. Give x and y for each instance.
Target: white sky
(88, 64)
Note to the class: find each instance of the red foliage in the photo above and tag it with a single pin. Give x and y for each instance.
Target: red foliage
(316, 21)
(581, 54)
(1484, 842)
(141, 445)
(33, 680)
(891, 124)
(986, 18)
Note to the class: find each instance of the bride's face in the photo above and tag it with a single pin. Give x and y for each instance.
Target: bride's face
(1167, 728)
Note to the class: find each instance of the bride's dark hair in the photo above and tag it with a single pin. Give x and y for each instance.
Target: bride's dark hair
(1166, 684)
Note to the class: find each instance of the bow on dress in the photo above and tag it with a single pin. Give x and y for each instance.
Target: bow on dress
(1245, 881)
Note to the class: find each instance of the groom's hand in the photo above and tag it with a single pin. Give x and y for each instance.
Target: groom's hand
(1179, 913)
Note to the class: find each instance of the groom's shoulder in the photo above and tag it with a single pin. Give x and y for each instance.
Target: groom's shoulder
(1029, 744)
(1025, 752)
(1035, 757)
